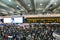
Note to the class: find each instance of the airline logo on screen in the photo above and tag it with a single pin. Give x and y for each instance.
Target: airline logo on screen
(12, 20)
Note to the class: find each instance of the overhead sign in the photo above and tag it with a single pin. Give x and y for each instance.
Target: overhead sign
(43, 20)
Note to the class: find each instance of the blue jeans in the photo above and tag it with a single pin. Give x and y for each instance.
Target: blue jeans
(10, 38)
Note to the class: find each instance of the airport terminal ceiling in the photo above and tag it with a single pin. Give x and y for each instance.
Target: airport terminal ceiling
(17, 7)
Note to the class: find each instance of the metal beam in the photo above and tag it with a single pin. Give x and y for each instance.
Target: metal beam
(23, 4)
(33, 5)
(50, 5)
(54, 7)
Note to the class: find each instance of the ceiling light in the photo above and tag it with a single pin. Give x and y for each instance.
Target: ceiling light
(17, 6)
(55, 3)
(10, 12)
(41, 4)
(28, 4)
(22, 9)
(39, 8)
(9, 0)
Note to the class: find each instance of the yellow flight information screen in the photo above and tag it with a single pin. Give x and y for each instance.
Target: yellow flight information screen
(43, 20)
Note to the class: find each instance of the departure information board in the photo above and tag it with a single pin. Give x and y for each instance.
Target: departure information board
(43, 20)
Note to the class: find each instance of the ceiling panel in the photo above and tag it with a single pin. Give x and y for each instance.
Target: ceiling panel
(10, 3)
(28, 4)
(41, 4)
(10, 6)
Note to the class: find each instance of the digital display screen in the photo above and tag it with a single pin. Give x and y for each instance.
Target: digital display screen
(13, 20)
(18, 20)
(42, 20)
(7, 20)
